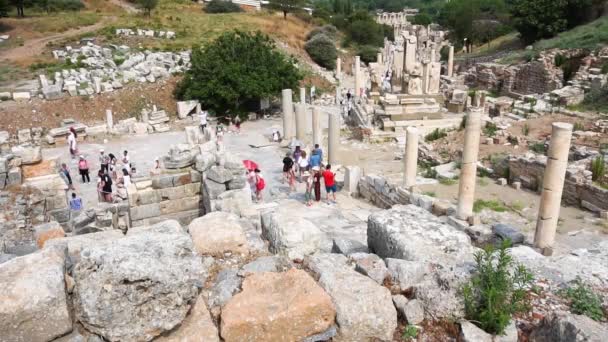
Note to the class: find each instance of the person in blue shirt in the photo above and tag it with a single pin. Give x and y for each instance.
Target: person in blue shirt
(75, 203)
(319, 152)
(315, 159)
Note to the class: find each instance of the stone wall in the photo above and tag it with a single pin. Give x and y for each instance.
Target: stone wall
(174, 196)
(579, 190)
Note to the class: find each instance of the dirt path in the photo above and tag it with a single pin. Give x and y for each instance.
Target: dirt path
(34, 47)
(125, 5)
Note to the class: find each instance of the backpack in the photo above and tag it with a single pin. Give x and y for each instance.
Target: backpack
(261, 184)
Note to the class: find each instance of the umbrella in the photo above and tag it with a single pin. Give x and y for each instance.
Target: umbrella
(250, 165)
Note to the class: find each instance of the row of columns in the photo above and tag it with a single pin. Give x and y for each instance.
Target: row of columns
(553, 180)
(295, 125)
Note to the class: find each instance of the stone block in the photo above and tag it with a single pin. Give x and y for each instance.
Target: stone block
(219, 174)
(45, 167)
(28, 154)
(148, 196)
(501, 181)
(213, 189)
(182, 204)
(516, 185)
(47, 231)
(506, 231)
(217, 233)
(21, 96)
(145, 211)
(60, 215)
(14, 176)
(441, 207)
(348, 247)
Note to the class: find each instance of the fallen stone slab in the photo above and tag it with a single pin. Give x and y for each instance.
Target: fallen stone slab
(370, 265)
(508, 232)
(28, 154)
(364, 309)
(33, 305)
(47, 231)
(218, 233)
(348, 247)
(197, 326)
(225, 286)
(150, 267)
(286, 306)
(272, 263)
(566, 327)
(290, 235)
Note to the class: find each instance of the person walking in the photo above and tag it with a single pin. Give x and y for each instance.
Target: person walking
(126, 178)
(126, 160)
(83, 169)
(317, 182)
(156, 170)
(319, 151)
(67, 178)
(203, 119)
(303, 164)
(260, 184)
(237, 124)
(315, 159)
(330, 183)
(112, 166)
(106, 187)
(309, 186)
(75, 204)
(104, 160)
(287, 166)
(297, 154)
(72, 142)
(252, 180)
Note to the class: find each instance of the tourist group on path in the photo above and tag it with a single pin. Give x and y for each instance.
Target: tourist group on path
(309, 170)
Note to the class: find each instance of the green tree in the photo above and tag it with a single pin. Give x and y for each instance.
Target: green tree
(537, 19)
(221, 6)
(4, 8)
(286, 6)
(148, 5)
(322, 50)
(422, 19)
(235, 69)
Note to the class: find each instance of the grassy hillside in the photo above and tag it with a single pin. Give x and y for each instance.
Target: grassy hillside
(588, 36)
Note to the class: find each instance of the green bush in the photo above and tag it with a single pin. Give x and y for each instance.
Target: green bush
(538, 147)
(583, 301)
(64, 5)
(367, 53)
(409, 333)
(221, 6)
(579, 126)
(497, 290)
(322, 50)
(490, 129)
(559, 60)
(430, 173)
(435, 135)
(598, 168)
(328, 30)
(480, 205)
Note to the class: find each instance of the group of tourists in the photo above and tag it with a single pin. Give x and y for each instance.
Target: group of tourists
(309, 170)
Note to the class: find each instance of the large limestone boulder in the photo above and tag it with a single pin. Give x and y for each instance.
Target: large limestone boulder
(28, 154)
(139, 286)
(33, 302)
(364, 309)
(197, 326)
(292, 236)
(566, 327)
(218, 232)
(287, 306)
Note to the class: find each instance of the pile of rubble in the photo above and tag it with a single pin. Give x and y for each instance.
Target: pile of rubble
(145, 33)
(4, 38)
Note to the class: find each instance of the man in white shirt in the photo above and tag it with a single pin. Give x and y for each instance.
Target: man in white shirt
(203, 117)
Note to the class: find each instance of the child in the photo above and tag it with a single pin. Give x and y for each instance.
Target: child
(260, 184)
(309, 185)
(330, 184)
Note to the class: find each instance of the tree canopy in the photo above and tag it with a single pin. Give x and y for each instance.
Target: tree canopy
(286, 6)
(235, 69)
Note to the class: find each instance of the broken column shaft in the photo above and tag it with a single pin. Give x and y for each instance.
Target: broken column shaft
(301, 122)
(411, 157)
(288, 119)
(468, 169)
(333, 137)
(316, 127)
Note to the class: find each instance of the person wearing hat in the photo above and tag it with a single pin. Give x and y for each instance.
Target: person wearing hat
(83, 169)
(104, 160)
(156, 168)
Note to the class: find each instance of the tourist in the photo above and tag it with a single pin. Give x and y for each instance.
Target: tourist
(126, 178)
(287, 166)
(309, 186)
(348, 95)
(252, 180)
(83, 168)
(260, 184)
(317, 182)
(126, 160)
(100, 196)
(156, 170)
(104, 160)
(276, 136)
(112, 166)
(72, 142)
(297, 154)
(312, 93)
(237, 124)
(303, 164)
(75, 204)
(319, 152)
(330, 183)
(203, 118)
(315, 159)
(219, 132)
(65, 174)
(106, 187)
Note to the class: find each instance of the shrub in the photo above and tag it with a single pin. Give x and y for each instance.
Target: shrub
(598, 168)
(65, 5)
(497, 290)
(579, 126)
(430, 193)
(430, 173)
(367, 53)
(322, 50)
(490, 129)
(480, 205)
(409, 333)
(329, 30)
(583, 301)
(538, 147)
(435, 134)
(525, 129)
(221, 6)
(559, 60)
(447, 181)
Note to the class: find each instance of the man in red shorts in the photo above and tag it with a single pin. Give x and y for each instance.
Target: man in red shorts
(330, 182)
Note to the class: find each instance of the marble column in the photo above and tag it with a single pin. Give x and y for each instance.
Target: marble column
(379, 58)
(289, 131)
(317, 130)
(333, 139)
(468, 169)
(553, 185)
(109, 120)
(338, 68)
(451, 61)
(411, 157)
(338, 95)
(358, 76)
(301, 121)
(410, 46)
(302, 94)
(433, 55)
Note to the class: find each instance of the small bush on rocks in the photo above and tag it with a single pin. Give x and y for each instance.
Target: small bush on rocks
(583, 301)
(497, 290)
(435, 135)
(322, 50)
(329, 30)
(220, 6)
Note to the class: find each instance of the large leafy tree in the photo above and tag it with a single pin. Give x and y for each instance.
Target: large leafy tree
(148, 5)
(237, 68)
(286, 6)
(537, 19)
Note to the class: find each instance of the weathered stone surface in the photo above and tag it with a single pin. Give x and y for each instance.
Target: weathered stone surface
(413, 312)
(217, 233)
(234, 201)
(75, 244)
(370, 265)
(150, 267)
(291, 236)
(180, 205)
(287, 306)
(219, 174)
(272, 263)
(469, 332)
(45, 167)
(28, 154)
(214, 189)
(33, 303)
(145, 211)
(6, 257)
(348, 247)
(47, 231)
(205, 160)
(196, 327)
(406, 273)
(225, 286)
(566, 327)
(364, 309)
(506, 231)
